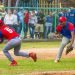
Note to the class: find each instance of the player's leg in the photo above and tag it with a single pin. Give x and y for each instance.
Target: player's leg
(11, 44)
(64, 42)
(6, 49)
(73, 44)
(17, 52)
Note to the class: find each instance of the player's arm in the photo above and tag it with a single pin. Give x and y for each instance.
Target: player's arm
(58, 30)
(56, 34)
(72, 38)
(70, 47)
(71, 28)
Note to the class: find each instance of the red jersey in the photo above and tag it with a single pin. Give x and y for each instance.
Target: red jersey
(8, 33)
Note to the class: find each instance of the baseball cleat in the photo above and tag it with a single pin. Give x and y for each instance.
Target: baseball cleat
(68, 50)
(56, 61)
(13, 63)
(33, 56)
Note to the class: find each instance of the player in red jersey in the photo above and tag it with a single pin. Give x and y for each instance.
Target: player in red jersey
(14, 41)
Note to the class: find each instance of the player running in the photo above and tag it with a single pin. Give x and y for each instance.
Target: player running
(14, 41)
(67, 30)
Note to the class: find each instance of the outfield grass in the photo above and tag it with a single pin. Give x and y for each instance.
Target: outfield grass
(26, 66)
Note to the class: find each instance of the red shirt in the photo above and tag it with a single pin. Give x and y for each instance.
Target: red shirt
(26, 18)
(8, 33)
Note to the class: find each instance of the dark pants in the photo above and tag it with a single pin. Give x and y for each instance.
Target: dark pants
(32, 30)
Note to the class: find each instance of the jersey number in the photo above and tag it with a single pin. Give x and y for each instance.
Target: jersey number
(9, 30)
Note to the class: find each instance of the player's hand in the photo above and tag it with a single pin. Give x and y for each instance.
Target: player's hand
(56, 35)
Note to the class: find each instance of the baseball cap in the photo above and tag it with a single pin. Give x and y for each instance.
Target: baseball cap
(62, 19)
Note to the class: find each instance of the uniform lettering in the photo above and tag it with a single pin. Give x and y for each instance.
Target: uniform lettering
(8, 29)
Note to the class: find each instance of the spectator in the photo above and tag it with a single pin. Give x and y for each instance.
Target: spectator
(9, 19)
(26, 20)
(21, 19)
(48, 24)
(32, 23)
(16, 21)
(66, 14)
(60, 14)
(40, 24)
(72, 16)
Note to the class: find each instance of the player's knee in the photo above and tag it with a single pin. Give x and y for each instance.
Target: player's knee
(5, 51)
(64, 43)
(16, 54)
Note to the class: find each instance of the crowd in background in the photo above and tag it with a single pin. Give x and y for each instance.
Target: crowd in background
(35, 24)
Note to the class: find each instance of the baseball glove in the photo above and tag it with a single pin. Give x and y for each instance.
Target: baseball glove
(69, 49)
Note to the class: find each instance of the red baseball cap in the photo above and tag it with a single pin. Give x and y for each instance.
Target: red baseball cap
(62, 19)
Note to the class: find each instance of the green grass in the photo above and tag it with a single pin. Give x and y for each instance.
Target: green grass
(26, 66)
(27, 45)
(40, 44)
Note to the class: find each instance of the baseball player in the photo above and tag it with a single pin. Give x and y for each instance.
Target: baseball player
(67, 30)
(14, 41)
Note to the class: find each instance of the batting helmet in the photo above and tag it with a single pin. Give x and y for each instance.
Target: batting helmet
(62, 19)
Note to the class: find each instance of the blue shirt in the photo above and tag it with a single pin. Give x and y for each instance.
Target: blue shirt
(60, 14)
(66, 14)
(49, 19)
(21, 16)
(72, 16)
(66, 30)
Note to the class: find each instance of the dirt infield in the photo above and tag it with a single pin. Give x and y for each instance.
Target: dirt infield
(50, 53)
(54, 73)
(45, 54)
